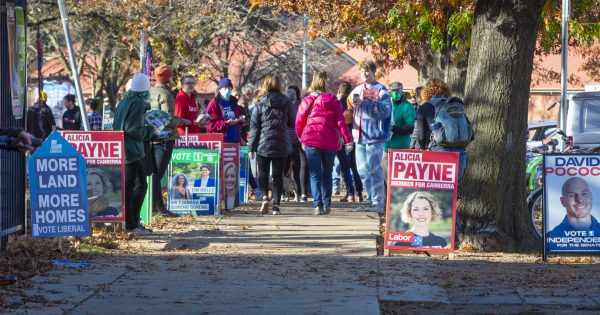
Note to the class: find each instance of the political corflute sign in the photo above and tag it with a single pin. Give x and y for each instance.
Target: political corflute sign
(421, 200)
(570, 217)
(104, 155)
(58, 192)
(193, 177)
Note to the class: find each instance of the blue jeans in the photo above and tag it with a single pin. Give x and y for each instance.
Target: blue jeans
(335, 175)
(368, 161)
(320, 166)
(346, 173)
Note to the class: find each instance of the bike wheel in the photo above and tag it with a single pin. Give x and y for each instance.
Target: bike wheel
(536, 208)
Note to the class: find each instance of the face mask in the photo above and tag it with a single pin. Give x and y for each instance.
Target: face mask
(396, 95)
(226, 93)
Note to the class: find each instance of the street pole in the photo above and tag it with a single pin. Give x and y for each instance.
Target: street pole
(142, 50)
(65, 21)
(305, 55)
(566, 12)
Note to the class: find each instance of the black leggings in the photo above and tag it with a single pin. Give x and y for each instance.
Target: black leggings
(358, 185)
(264, 167)
(304, 179)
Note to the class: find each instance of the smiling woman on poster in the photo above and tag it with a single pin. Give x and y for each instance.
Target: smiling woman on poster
(179, 188)
(231, 185)
(98, 186)
(419, 210)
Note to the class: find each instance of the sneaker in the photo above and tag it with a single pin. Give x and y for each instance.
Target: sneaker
(264, 207)
(363, 207)
(304, 198)
(276, 211)
(318, 210)
(327, 210)
(348, 199)
(138, 232)
(374, 208)
(360, 198)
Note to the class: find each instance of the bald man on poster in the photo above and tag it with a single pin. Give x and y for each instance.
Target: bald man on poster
(579, 221)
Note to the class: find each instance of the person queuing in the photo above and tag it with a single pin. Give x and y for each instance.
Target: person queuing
(370, 106)
(161, 98)
(269, 138)
(40, 120)
(403, 122)
(185, 105)
(319, 124)
(246, 97)
(435, 93)
(347, 159)
(129, 118)
(297, 159)
(246, 103)
(94, 118)
(71, 119)
(224, 115)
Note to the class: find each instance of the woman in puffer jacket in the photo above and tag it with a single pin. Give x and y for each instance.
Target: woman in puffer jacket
(269, 138)
(322, 131)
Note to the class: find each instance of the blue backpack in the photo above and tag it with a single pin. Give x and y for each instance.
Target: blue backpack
(451, 128)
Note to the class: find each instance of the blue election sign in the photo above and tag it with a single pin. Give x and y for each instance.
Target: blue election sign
(58, 188)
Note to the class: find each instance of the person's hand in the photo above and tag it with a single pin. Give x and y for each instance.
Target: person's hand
(232, 122)
(349, 147)
(357, 101)
(251, 155)
(25, 141)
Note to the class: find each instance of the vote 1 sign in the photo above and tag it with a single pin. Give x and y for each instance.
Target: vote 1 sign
(59, 205)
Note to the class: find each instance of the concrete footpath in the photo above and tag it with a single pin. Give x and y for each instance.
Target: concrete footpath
(298, 263)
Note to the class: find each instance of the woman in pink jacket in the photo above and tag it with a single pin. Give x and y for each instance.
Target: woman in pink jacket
(322, 131)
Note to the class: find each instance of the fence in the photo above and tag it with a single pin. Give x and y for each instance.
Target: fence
(12, 164)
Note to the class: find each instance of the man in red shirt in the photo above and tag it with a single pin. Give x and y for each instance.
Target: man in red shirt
(185, 105)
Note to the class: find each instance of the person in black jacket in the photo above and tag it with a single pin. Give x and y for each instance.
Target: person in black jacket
(40, 120)
(269, 138)
(71, 119)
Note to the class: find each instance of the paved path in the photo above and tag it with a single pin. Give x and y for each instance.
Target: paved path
(298, 263)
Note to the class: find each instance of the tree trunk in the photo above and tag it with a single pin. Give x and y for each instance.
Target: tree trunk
(493, 213)
(442, 64)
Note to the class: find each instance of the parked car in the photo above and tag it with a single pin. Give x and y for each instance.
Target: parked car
(583, 119)
(539, 130)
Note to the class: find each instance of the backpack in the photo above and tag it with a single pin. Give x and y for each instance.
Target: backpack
(451, 128)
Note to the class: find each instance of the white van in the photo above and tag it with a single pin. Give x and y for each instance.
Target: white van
(583, 119)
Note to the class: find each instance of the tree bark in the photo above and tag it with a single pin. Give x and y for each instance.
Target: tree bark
(442, 64)
(492, 209)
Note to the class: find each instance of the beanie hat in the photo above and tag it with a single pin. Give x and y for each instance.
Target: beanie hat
(163, 74)
(223, 83)
(140, 82)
